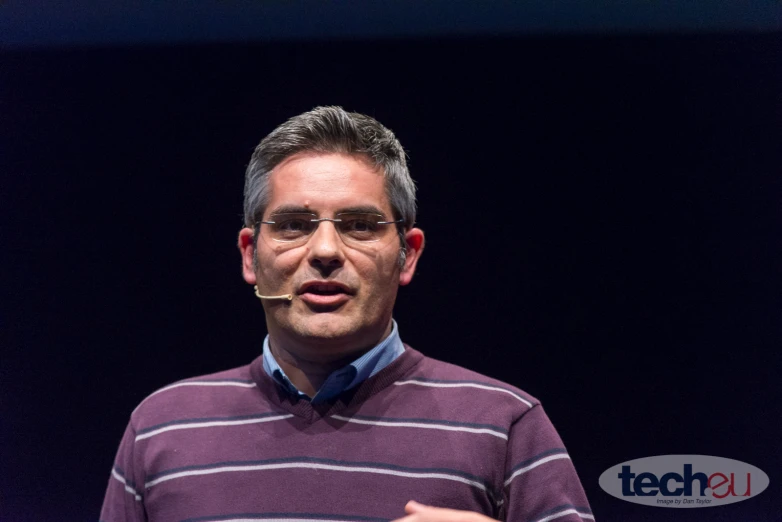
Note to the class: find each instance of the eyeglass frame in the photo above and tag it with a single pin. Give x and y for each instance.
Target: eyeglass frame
(335, 219)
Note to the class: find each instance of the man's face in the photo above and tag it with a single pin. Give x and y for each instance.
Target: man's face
(344, 293)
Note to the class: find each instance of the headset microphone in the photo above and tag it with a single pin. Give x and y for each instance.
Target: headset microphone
(287, 297)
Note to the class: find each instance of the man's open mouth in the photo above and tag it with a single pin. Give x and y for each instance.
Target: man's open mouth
(325, 289)
(321, 293)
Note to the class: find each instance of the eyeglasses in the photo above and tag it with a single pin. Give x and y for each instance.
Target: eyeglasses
(352, 227)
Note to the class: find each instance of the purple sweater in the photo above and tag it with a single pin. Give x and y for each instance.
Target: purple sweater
(234, 446)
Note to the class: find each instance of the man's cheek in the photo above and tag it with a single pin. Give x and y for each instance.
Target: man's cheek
(274, 277)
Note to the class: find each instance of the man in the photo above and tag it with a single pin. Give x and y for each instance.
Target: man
(338, 420)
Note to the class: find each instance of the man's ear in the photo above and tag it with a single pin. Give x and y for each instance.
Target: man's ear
(414, 238)
(247, 249)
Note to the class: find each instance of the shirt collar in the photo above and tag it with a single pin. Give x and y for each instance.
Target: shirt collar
(345, 378)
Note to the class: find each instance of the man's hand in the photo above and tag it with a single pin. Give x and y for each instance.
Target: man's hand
(420, 513)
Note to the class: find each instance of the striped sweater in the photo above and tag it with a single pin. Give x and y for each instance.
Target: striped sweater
(234, 446)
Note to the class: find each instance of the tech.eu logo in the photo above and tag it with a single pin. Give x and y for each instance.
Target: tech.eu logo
(683, 481)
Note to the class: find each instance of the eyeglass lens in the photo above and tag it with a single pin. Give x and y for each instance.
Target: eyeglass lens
(354, 227)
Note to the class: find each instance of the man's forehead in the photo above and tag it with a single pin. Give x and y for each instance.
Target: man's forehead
(326, 180)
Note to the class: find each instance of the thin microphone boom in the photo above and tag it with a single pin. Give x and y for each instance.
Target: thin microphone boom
(287, 297)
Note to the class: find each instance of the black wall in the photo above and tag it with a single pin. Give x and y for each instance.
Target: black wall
(603, 223)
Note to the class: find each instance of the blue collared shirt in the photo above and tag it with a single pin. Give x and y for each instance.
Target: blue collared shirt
(345, 378)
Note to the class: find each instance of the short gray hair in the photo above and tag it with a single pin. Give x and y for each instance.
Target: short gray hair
(332, 130)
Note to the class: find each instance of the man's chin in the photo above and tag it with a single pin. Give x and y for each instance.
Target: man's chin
(326, 327)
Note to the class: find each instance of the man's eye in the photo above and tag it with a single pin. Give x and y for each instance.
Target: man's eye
(359, 225)
(292, 225)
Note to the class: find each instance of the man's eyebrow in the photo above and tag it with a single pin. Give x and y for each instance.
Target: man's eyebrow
(361, 209)
(298, 209)
(291, 209)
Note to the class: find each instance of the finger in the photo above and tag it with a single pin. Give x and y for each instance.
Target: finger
(414, 507)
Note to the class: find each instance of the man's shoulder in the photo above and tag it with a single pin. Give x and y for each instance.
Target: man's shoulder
(220, 394)
(447, 379)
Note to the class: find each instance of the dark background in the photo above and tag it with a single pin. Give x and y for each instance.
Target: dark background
(603, 223)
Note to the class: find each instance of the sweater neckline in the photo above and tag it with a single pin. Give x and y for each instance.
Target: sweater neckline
(303, 408)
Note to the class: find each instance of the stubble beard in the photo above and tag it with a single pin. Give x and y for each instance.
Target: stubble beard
(337, 328)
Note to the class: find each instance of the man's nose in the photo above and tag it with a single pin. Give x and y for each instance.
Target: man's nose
(326, 246)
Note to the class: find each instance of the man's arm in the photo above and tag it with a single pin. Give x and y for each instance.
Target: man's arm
(123, 501)
(540, 482)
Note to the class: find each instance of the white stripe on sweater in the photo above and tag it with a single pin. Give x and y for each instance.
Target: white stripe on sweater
(566, 512)
(465, 385)
(197, 383)
(313, 465)
(432, 426)
(125, 483)
(535, 464)
(209, 424)
(280, 520)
